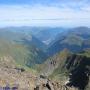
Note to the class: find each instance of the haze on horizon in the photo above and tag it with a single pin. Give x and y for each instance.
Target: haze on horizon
(44, 13)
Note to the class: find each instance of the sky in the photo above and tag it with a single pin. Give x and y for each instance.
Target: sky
(66, 13)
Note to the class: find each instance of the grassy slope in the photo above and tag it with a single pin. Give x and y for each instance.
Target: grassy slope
(54, 70)
(75, 40)
(58, 71)
(23, 53)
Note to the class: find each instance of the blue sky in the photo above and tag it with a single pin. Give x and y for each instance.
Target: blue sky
(34, 1)
(66, 13)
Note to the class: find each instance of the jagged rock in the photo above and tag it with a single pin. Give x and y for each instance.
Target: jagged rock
(46, 84)
(43, 76)
(19, 69)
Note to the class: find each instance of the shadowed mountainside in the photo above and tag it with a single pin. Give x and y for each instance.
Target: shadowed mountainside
(69, 66)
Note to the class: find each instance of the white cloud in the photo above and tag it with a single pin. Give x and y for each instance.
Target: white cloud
(43, 15)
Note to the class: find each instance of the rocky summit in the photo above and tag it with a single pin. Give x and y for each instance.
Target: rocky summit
(14, 77)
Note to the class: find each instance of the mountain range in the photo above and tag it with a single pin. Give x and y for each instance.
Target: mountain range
(25, 49)
(52, 56)
(75, 39)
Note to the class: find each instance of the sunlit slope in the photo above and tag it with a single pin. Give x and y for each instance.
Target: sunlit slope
(60, 65)
(21, 48)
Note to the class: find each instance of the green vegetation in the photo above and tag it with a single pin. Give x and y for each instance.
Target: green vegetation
(68, 54)
(22, 48)
(85, 53)
(73, 40)
(61, 72)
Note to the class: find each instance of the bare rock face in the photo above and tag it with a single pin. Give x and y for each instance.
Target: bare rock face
(46, 84)
(13, 77)
(17, 78)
